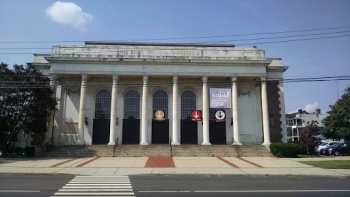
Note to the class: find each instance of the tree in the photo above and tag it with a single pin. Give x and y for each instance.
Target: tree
(337, 124)
(26, 101)
(308, 137)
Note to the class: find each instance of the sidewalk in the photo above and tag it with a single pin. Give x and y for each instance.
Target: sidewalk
(108, 166)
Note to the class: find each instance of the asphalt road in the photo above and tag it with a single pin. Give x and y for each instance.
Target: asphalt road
(16, 185)
(226, 185)
(31, 185)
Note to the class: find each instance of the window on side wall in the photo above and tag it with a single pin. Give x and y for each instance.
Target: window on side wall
(271, 121)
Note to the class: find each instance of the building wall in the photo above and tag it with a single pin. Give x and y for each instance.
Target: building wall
(274, 110)
(220, 63)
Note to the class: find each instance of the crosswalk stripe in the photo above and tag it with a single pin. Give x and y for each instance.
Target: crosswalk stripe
(97, 186)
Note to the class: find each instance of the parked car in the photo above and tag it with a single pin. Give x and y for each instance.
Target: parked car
(319, 148)
(338, 149)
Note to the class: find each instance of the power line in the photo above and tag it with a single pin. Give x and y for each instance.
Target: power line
(182, 38)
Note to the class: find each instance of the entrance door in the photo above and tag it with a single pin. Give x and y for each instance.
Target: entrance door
(160, 132)
(160, 128)
(101, 131)
(101, 124)
(217, 130)
(131, 131)
(131, 120)
(189, 131)
(189, 128)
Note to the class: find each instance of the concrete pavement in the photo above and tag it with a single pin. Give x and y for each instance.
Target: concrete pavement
(109, 166)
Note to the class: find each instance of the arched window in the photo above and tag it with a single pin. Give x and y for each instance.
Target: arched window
(188, 104)
(103, 104)
(132, 105)
(160, 102)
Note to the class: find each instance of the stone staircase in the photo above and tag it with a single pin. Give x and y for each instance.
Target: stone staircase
(157, 150)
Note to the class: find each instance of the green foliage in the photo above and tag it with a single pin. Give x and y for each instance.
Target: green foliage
(26, 102)
(308, 138)
(337, 124)
(285, 150)
(20, 152)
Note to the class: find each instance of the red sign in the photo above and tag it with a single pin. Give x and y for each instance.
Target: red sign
(196, 115)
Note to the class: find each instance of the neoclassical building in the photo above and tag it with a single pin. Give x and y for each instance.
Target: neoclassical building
(161, 93)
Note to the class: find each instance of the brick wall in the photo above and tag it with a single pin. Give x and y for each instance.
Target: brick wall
(274, 110)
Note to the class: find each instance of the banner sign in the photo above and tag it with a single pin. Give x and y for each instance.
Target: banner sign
(220, 98)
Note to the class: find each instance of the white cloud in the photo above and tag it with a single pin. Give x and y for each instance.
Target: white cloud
(311, 107)
(69, 13)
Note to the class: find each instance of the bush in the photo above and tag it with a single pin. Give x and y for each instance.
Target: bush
(20, 152)
(285, 150)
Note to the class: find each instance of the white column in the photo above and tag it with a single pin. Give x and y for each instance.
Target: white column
(236, 140)
(265, 112)
(81, 124)
(205, 112)
(282, 112)
(113, 124)
(50, 129)
(144, 112)
(175, 132)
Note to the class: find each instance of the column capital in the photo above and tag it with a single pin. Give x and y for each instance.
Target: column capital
(115, 79)
(234, 79)
(175, 79)
(263, 78)
(53, 76)
(145, 79)
(53, 80)
(115, 76)
(205, 79)
(84, 78)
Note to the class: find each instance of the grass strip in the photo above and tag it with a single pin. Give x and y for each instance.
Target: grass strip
(332, 164)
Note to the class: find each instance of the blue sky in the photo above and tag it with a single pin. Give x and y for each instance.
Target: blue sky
(40, 24)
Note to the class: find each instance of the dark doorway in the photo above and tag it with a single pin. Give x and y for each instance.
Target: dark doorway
(101, 122)
(131, 131)
(160, 131)
(131, 121)
(101, 131)
(217, 132)
(189, 134)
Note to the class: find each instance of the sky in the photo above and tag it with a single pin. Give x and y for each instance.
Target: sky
(311, 36)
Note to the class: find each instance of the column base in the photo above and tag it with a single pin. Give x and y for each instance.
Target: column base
(237, 143)
(144, 143)
(266, 143)
(175, 143)
(206, 143)
(111, 143)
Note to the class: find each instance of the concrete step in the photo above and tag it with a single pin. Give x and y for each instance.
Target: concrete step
(158, 150)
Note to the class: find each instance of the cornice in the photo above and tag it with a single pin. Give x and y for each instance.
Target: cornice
(187, 62)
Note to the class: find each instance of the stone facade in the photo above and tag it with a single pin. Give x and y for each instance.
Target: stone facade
(109, 91)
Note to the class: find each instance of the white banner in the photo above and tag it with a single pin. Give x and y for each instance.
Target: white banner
(220, 98)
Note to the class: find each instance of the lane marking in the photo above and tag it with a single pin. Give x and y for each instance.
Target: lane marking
(271, 191)
(96, 194)
(254, 164)
(243, 191)
(86, 162)
(18, 191)
(227, 162)
(61, 163)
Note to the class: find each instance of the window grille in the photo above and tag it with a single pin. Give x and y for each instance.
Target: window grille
(188, 104)
(160, 102)
(132, 105)
(103, 104)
